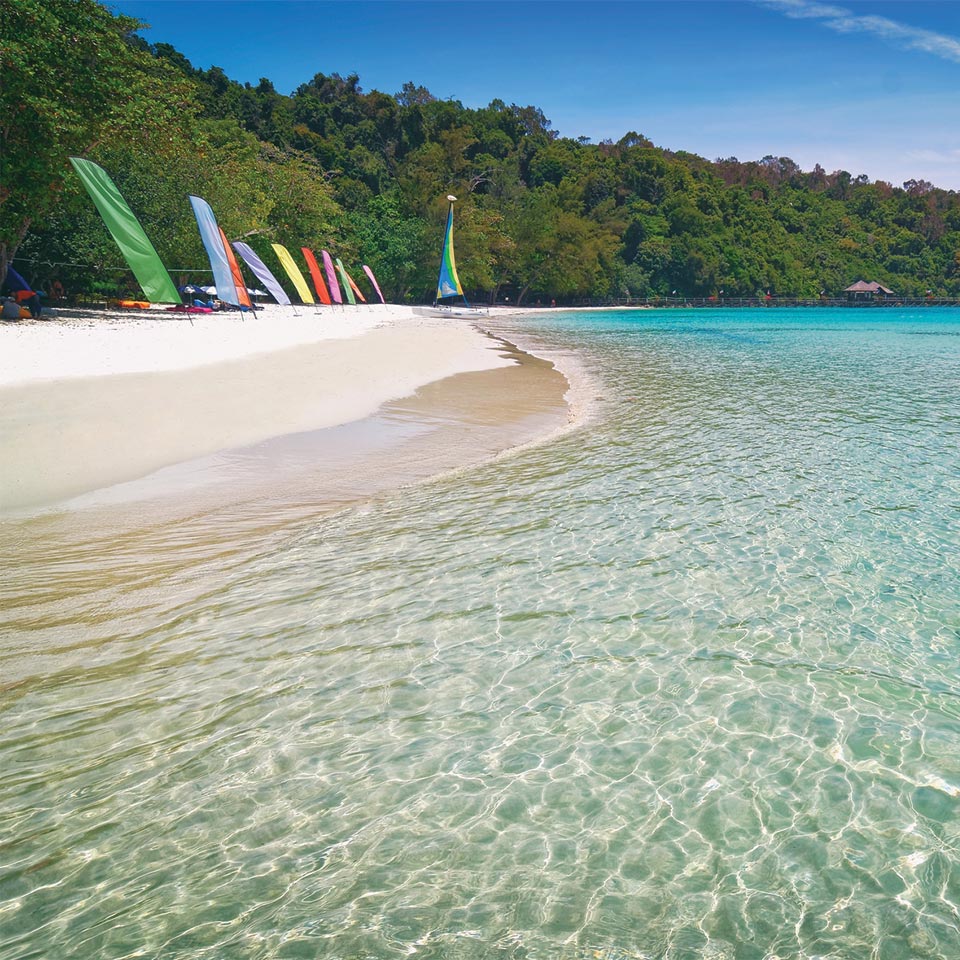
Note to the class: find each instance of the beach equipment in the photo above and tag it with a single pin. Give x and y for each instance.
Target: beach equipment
(24, 303)
(345, 282)
(293, 272)
(183, 308)
(126, 231)
(219, 255)
(15, 282)
(351, 284)
(373, 280)
(262, 272)
(211, 291)
(315, 275)
(448, 283)
(331, 273)
(241, 287)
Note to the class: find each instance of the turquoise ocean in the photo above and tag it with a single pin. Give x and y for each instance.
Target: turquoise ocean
(682, 682)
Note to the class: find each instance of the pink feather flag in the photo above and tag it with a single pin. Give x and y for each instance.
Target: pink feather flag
(373, 280)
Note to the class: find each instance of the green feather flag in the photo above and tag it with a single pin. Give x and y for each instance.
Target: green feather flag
(127, 232)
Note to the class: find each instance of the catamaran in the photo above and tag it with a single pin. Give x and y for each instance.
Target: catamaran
(449, 287)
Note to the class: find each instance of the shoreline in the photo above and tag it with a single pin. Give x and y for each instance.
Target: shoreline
(90, 403)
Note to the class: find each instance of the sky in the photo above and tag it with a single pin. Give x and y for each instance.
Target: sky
(868, 87)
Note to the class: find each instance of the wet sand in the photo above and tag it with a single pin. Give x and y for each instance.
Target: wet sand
(136, 546)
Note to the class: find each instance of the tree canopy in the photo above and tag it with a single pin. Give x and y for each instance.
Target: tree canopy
(366, 173)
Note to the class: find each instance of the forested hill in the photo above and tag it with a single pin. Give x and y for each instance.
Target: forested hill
(539, 217)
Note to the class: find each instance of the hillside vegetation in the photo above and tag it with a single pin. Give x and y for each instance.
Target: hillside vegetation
(365, 174)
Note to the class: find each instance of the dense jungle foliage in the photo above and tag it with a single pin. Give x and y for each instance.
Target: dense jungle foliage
(365, 175)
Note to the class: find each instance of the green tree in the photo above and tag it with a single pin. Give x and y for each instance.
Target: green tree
(558, 252)
(399, 247)
(71, 78)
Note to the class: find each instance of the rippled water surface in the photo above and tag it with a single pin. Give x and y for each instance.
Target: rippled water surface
(683, 683)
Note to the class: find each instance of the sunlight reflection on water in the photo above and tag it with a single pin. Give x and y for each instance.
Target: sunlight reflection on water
(680, 684)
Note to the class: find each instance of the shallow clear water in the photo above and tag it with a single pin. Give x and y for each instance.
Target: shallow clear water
(682, 683)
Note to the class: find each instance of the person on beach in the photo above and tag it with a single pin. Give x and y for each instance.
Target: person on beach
(10, 310)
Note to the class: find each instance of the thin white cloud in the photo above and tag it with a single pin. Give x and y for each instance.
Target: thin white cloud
(935, 156)
(846, 21)
(806, 10)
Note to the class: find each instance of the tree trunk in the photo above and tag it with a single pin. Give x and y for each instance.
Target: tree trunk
(9, 250)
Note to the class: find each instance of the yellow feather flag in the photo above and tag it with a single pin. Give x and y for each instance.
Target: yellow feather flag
(293, 272)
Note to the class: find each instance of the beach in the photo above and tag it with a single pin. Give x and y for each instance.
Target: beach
(89, 400)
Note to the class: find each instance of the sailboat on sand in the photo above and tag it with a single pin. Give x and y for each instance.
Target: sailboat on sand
(449, 288)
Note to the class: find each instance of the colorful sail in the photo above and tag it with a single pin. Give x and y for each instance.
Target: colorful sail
(315, 274)
(345, 281)
(448, 285)
(216, 251)
(126, 231)
(293, 272)
(262, 272)
(238, 280)
(331, 277)
(373, 280)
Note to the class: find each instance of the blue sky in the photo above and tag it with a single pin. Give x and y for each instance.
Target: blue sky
(868, 87)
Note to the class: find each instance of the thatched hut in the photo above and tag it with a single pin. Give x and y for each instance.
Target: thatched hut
(861, 290)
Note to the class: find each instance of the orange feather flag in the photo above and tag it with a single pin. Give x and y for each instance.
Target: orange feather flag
(316, 276)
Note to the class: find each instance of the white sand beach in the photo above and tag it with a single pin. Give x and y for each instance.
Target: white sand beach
(88, 343)
(92, 399)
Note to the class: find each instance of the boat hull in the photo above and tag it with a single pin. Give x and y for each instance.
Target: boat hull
(460, 311)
